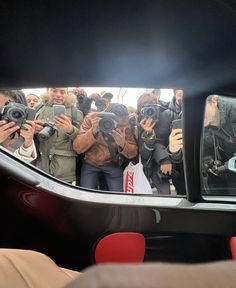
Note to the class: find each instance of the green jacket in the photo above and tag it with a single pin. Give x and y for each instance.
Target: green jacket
(57, 156)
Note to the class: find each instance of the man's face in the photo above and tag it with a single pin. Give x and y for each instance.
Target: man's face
(32, 101)
(179, 95)
(4, 99)
(58, 95)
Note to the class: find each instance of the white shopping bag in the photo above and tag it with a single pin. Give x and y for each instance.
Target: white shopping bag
(135, 180)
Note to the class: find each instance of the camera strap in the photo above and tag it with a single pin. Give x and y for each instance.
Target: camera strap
(116, 156)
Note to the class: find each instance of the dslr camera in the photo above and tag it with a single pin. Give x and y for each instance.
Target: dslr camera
(17, 113)
(107, 122)
(150, 110)
(100, 104)
(217, 167)
(48, 130)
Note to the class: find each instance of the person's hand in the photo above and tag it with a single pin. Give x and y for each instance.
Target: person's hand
(95, 122)
(119, 137)
(79, 91)
(147, 124)
(27, 132)
(95, 96)
(39, 125)
(166, 168)
(175, 140)
(6, 129)
(64, 123)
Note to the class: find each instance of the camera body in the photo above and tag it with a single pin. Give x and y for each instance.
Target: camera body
(150, 110)
(218, 168)
(48, 130)
(17, 113)
(100, 104)
(107, 122)
(133, 120)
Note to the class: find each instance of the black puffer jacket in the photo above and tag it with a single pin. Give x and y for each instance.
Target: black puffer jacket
(152, 148)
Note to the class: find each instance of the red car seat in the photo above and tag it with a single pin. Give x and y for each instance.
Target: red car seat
(120, 247)
(232, 244)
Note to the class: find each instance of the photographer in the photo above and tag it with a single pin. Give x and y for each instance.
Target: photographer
(153, 140)
(105, 140)
(219, 145)
(174, 112)
(12, 133)
(33, 100)
(83, 101)
(103, 102)
(56, 134)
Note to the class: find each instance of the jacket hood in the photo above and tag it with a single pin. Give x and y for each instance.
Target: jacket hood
(69, 102)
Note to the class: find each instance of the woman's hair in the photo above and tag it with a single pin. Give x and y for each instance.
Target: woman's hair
(18, 96)
(146, 98)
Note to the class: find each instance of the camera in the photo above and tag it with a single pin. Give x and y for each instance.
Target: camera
(17, 113)
(150, 110)
(132, 120)
(48, 130)
(218, 168)
(100, 104)
(107, 122)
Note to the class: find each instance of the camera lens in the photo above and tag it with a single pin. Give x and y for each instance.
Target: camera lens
(106, 125)
(46, 133)
(100, 104)
(150, 112)
(16, 114)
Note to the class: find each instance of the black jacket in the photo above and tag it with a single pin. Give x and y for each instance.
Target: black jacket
(152, 148)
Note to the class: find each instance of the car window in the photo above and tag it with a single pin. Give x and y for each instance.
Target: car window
(218, 147)
(110, 139)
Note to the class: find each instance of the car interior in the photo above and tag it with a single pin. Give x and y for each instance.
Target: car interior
(50, 225)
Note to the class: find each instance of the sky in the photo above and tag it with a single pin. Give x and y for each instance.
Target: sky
(130, 95)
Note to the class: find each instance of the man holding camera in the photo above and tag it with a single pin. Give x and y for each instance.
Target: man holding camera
(105, 139)
(16, 130)
(154, 131)
(56, 134)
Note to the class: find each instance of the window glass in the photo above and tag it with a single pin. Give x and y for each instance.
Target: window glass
(112, 139)
(218, 147)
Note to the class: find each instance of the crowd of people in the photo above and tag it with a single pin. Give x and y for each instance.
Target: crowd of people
(62, 134)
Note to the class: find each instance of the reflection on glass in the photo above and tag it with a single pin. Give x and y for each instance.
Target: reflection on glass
(219, 146)
(107, 139)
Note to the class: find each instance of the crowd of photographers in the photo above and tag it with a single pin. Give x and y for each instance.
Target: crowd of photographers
(62, 134)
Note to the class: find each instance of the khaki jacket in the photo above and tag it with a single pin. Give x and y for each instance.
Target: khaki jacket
(96, 149)
(57, 156)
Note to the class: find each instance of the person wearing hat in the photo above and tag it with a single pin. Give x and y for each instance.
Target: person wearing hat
(33, 100)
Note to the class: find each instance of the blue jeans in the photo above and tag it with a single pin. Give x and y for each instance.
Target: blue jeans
(112, 174)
